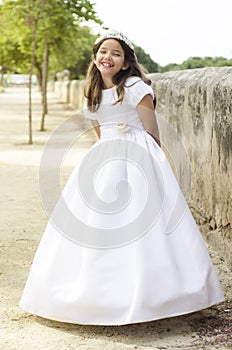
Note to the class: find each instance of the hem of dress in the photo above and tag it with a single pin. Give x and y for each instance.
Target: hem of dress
(124, 323)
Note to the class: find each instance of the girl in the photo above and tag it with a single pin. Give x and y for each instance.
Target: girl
(121, 245)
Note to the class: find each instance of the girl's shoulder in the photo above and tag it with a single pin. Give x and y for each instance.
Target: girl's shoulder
(136, 89)
(132, 80)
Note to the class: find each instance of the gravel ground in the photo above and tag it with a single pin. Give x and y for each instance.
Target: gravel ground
(22, 223)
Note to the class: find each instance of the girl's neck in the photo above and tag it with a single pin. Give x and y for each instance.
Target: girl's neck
(108, 87)
(108, 84)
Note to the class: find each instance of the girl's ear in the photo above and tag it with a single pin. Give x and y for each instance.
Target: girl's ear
(125, 66)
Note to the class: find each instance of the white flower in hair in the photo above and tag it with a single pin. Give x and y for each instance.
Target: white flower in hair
(115, 34)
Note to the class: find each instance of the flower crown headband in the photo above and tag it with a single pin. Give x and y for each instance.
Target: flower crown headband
(114, 34)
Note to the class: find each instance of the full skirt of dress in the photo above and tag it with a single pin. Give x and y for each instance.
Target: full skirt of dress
(121, 245)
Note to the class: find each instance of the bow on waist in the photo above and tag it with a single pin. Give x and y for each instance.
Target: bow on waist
(115, 129)
(118, 129)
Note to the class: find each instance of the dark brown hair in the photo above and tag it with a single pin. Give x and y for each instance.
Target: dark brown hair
(94, 83)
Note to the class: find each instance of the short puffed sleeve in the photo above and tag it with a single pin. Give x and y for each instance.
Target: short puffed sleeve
(87, 112)
(136, 89)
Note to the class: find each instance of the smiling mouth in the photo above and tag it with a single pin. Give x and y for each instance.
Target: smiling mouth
(107, 65)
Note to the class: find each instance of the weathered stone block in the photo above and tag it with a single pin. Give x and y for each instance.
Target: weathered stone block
(194, 109)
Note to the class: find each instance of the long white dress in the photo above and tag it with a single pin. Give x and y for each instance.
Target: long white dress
(121, 245)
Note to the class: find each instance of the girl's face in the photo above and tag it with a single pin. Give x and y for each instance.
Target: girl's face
(110, 59)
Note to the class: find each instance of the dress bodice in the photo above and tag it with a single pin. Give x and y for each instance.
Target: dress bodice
(110, 112)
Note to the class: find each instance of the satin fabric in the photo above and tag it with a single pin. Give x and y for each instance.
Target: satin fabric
(163, 272)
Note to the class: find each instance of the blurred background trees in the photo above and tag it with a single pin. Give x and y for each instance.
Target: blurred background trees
(44, 37)
(197, 62)
(63, 40)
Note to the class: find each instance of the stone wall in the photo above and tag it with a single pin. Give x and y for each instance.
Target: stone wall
(195, 115)
(70, 93)
(194, 111)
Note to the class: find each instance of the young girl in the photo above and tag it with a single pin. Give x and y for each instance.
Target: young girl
(121, 246)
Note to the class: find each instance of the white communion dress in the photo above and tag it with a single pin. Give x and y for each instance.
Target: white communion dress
(121, 245)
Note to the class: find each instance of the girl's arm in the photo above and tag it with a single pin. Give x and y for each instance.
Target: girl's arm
(96, 126)
(146, 112)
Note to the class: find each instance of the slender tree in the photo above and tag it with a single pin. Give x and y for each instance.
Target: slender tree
(38, 30)
(34, 25)
(60, 25)
(23, 23)
(44, 82)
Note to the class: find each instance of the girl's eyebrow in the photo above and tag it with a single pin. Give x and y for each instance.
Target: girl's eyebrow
(114, 50)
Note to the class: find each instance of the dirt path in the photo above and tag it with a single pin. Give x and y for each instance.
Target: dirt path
(22, 223)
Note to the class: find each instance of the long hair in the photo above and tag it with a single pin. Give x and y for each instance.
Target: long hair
(94, 83)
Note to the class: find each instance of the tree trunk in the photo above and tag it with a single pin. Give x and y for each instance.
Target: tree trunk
(44, 82)
(39, 74)
(33, 50)
(1, 79)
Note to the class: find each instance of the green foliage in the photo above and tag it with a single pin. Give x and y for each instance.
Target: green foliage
(58, 20)
(82, 53)
(146, 61)
(80, 49)
(11, 54)
(198, 62)
(70, 44)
